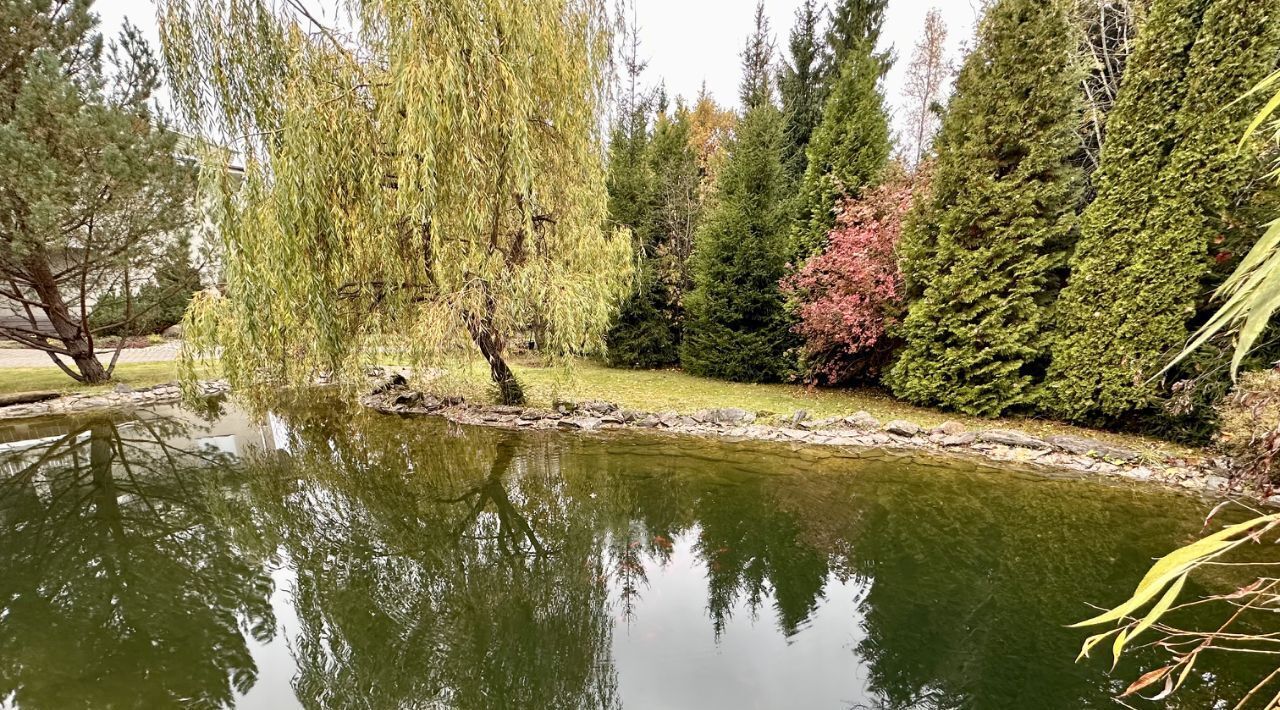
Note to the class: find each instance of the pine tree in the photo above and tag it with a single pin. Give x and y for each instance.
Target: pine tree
(848, 151)
(737, 325)
(800, 88)
(980, 254)
(1169, 177)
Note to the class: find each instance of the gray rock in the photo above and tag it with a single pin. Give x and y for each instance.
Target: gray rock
(1081, 446)
(1217, 484)
(1009, 437)
(902, 427)
(729, 415)
(649, 422)
(122, 388)
(874, 439)
(799, 416)
(581, 423)
(506, 409)
(962, 439)
(174, 331)
(948, 428)
(862, 421)
(669, 419)
(598, 407)
(407, 399)
(564, 407)
(820, 423)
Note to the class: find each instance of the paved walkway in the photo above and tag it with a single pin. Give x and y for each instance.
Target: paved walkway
(23, 357)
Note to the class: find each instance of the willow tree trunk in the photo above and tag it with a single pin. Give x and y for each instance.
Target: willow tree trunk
(491, 347)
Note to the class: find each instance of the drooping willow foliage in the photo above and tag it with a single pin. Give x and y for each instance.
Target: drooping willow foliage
(418, 174)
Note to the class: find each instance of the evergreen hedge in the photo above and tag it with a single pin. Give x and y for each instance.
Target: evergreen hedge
(981, 254)
(1169, 177)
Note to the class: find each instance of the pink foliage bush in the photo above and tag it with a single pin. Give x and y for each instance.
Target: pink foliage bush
(847, 296)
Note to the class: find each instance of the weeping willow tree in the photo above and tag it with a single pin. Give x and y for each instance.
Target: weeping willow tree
(421, 176)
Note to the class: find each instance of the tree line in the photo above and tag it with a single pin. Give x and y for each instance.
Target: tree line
(1048, 252)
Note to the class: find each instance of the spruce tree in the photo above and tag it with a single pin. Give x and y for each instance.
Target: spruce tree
(647, 332)
(848, 151)
(737, 325)
(800, 88)
(639, 337)
(980, 254)
(855, 25)
(1170, 174)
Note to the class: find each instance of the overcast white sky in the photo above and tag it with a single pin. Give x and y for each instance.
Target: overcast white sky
(688, 42)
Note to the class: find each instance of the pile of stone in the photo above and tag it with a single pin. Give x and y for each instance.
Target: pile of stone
(123, 397)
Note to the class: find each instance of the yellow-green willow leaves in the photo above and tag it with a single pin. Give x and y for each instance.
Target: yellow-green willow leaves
(418, 174)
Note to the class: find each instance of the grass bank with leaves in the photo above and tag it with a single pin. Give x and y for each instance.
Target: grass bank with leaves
(673, 390)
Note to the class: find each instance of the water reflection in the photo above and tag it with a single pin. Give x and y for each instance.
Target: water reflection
(427, 565)
(120, 585)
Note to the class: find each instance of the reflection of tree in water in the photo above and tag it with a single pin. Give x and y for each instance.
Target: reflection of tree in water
(118, 590)
(435, 568)
(974, 579)
(477, 569)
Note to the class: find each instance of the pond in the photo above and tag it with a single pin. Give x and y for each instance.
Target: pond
(323, 557)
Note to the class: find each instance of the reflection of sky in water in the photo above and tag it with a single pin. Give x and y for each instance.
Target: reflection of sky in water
(667, 654)
(275, 662)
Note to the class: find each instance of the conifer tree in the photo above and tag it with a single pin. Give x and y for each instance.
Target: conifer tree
(1169, 177)
(757, 61)
(800, 88)
(639, 337)
(980, 254)
(848, 150)
(737, 325)
(855, 25)
(647, 332)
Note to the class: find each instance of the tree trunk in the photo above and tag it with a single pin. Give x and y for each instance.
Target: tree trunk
(73, 334)
(491, 346)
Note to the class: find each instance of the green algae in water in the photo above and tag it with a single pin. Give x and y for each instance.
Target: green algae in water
(328, 558)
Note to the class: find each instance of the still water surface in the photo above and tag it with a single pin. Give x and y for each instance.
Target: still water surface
(323, 557)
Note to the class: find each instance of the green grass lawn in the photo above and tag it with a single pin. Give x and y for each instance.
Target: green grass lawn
(32, 379)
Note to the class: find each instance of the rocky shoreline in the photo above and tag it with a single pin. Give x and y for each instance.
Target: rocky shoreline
(123, 397)
(858, 431)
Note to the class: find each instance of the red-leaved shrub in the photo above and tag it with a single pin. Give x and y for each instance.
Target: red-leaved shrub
(847, 295)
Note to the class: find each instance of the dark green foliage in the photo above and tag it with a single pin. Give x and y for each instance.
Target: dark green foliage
(855, 25)
(664, 211)
(1169, 180)
(848, 151)
(980, 254)
(757, 60)
(800, 88)
(160, 303)
(737, 325)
